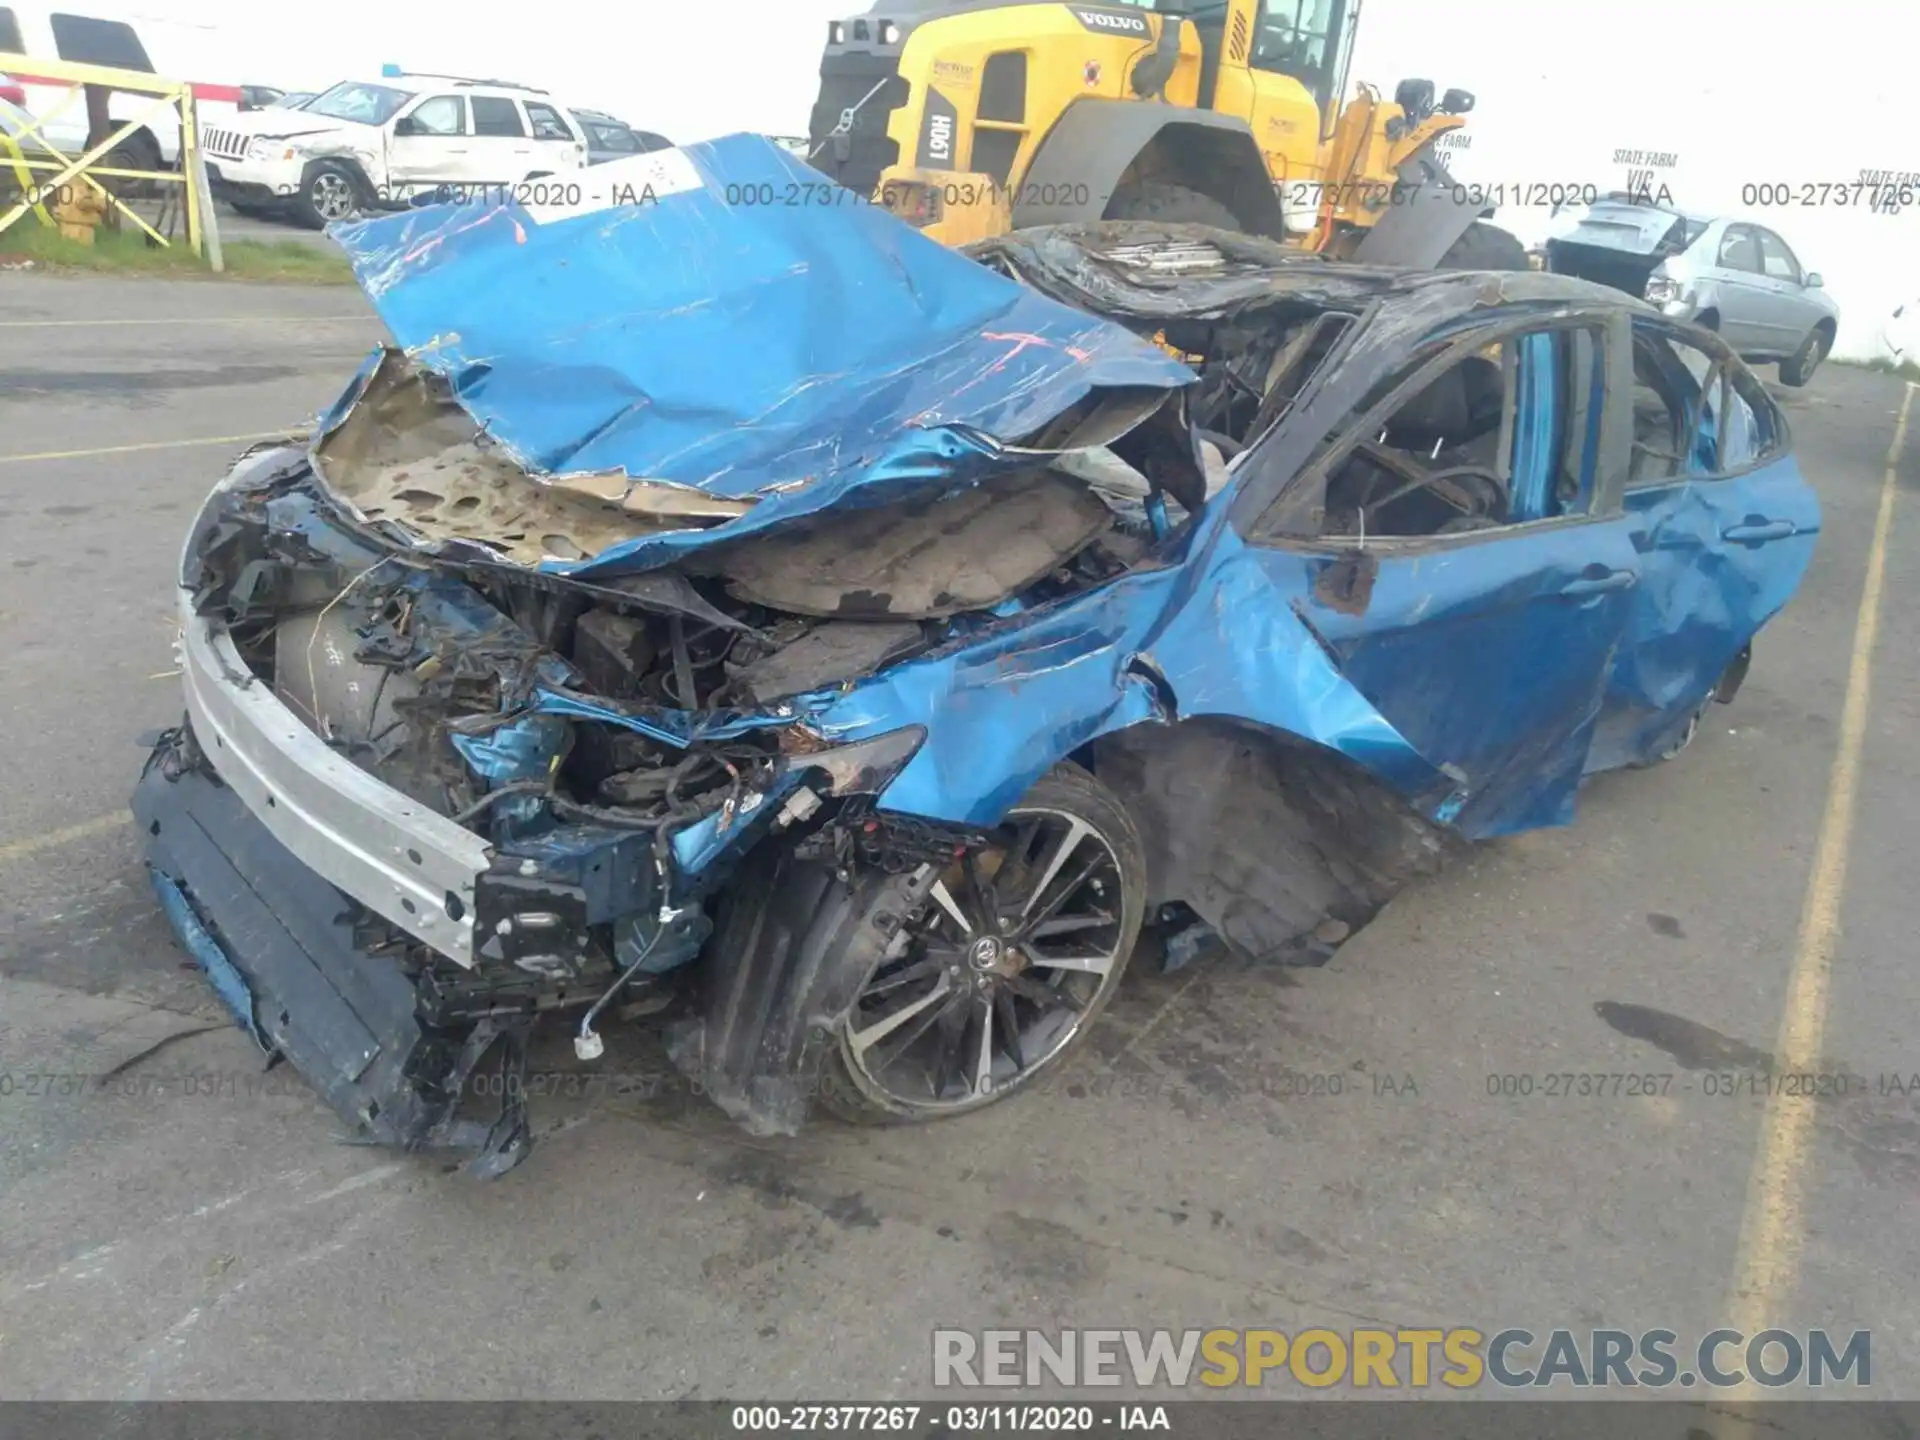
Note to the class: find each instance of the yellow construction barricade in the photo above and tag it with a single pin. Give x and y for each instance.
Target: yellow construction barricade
(70, 184)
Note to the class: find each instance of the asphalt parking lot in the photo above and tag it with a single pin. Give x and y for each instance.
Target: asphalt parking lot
(1191, 1171)
(235, 226)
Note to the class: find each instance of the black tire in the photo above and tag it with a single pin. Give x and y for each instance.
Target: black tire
(138, 151)
(850, 1092)
(1485, 247)
(1797, 369)
(1171, 205)
(318, 202)
(1678, 741)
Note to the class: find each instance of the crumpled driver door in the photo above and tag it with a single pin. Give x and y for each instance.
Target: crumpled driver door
(1486, 641)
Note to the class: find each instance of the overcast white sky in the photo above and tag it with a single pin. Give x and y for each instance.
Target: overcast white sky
(1741, 91)
(1760, 73)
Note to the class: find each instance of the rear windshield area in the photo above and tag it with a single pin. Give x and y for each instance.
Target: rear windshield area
(88, 41)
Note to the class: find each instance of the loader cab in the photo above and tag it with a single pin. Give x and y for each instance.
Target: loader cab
(1307, 41)
(1279, 65)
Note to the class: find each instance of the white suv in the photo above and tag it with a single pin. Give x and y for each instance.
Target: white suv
(368, 145)
(58, 118)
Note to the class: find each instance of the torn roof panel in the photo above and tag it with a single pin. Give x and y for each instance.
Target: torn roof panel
(784, 349)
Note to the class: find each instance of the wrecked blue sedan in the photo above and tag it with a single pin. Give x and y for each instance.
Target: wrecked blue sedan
(840, 647)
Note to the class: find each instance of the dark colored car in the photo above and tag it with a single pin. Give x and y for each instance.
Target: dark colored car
(843, 645)
(611, 139)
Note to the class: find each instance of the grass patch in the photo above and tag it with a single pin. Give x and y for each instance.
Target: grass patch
(127, 252)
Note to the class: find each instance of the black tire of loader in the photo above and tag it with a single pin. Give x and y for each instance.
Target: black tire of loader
(1485, 247)
(1172, 205)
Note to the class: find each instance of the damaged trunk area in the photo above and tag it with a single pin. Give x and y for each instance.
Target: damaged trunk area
(1620, 243)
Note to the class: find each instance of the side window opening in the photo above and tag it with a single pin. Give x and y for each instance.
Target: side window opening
(1254, 368)
(496, 115)
(547, 124)
(1507, 434)
(1692, 416)
(1779, 261)
(1250, 375)
(87, 41)
(442, 115)
(1438, 465)
(10, 40)
(1739, 252)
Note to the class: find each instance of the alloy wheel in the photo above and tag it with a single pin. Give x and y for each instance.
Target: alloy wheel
(333, 197)
(1018, 942)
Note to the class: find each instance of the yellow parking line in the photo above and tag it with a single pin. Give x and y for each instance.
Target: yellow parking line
(54, 839)
(1767, 1268)
(148, 445)
(188, 320)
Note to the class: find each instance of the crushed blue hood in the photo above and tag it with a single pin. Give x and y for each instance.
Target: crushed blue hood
(722, 318)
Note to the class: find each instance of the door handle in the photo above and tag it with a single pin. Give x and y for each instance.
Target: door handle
(1757, 532)
(1598, 584)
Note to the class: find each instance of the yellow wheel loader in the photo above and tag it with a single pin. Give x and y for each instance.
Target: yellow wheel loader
(969, 118)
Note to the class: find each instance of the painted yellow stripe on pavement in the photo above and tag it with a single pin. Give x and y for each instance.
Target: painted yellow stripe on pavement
(150, 445)
(54, 839)
(1773, 1224)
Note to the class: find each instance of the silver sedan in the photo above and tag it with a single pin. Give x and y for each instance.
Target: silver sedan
(1732, 276)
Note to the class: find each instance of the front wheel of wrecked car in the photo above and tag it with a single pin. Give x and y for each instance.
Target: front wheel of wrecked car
(1020, 945)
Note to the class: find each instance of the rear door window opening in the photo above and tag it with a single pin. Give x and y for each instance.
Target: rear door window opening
(87, 41)
(1692, 415)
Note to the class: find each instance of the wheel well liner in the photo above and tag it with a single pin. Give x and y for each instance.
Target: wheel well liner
(792, 945)
(344, 162)
(1265, 836)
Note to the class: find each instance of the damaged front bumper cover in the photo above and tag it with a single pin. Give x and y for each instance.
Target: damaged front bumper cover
(281, 866)
(280, 947)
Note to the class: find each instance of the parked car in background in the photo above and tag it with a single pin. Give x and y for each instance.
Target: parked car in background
(1900, 336)
(1731, 276)
(371, 145)
(93, 40)
(293, 100)
(611, 139)
(259, 97)
(861, 744)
